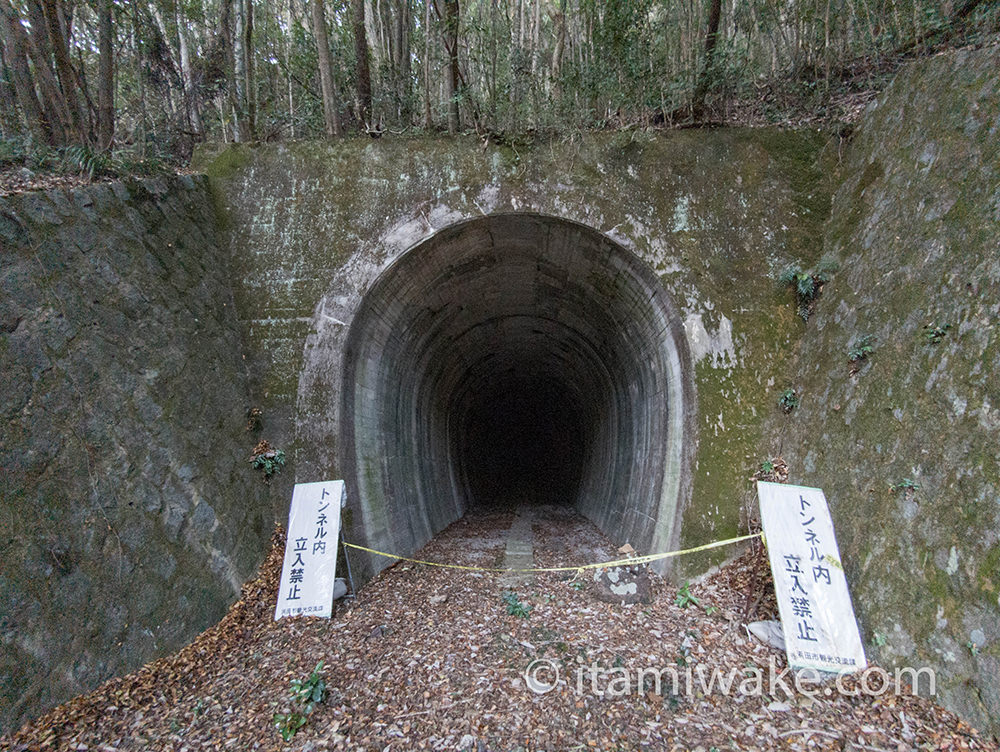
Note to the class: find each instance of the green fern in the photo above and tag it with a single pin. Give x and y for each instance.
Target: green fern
(807, 284)
(85, 161)
(861, 349)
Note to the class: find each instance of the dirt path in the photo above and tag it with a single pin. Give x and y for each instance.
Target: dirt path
(429, 658)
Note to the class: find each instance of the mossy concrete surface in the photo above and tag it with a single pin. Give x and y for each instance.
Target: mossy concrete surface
(907, 448)
(714, 214)
(129, 513)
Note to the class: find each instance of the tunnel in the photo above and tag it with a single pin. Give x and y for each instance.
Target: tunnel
(511, 360)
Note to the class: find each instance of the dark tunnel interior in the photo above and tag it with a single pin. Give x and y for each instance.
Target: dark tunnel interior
(522, 440)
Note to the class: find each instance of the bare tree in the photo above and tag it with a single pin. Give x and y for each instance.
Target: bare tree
(331, 118)
(106, 76)
(362, 73)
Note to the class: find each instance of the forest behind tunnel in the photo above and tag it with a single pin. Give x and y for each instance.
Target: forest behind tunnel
(515, 359)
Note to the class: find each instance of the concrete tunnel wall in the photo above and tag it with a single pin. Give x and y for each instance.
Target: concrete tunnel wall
(709, 217)
(516, 358)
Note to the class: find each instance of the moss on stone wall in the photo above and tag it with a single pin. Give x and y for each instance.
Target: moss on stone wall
(915, 228)
(129, 514)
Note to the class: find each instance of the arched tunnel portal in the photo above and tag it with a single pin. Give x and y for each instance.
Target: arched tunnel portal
(517, 359)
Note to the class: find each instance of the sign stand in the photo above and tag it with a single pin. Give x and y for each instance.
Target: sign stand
(347, 561)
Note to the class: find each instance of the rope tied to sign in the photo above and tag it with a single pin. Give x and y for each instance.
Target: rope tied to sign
(579, 568)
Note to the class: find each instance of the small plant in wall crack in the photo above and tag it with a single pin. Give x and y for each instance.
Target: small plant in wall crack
(934, 333)
(858, 353)
(774, 470)
(269, 461)
(788, 400)
(906, 486)
(807, 284)
(254, 419)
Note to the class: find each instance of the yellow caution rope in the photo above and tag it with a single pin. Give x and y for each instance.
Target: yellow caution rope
(600, 565)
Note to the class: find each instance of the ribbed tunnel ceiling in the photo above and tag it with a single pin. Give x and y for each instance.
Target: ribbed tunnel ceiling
(516, 359)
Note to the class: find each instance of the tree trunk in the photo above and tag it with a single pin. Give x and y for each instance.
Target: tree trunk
(249, 77)
(428, 115)
(711, 37)
(239, 71)
(52, 102)
(536, 22)
(9, 121)
(290, 22)
(451, 21)
(363, 74)
(229, 50)
(139, 75)
(372, 21)
(192, 103)
(68, 80)
(331, 118)
(15, 57)
(559, 19)
(401, 56)
(106, 76)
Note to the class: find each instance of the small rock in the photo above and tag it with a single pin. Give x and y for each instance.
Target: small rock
(437, 600)
(769, 632)
(339, 588)
(623, 585)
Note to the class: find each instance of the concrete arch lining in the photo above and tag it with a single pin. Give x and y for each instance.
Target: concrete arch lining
(509, 359)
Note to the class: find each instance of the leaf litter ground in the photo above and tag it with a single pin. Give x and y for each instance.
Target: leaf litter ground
(429, 658)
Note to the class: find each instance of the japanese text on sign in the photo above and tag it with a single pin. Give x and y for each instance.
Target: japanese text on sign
(821, 631)
(310, 566)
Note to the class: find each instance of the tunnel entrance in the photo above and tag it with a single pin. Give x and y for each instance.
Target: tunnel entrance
(516, 359)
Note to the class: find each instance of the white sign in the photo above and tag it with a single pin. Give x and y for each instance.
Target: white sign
(310, 567)
(821, 631)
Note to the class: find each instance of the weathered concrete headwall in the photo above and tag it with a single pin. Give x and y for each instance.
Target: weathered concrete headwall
(713, 215)
(129, 515)
(916, 228)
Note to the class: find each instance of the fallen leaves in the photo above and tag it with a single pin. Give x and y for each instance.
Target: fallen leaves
(429, 659)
